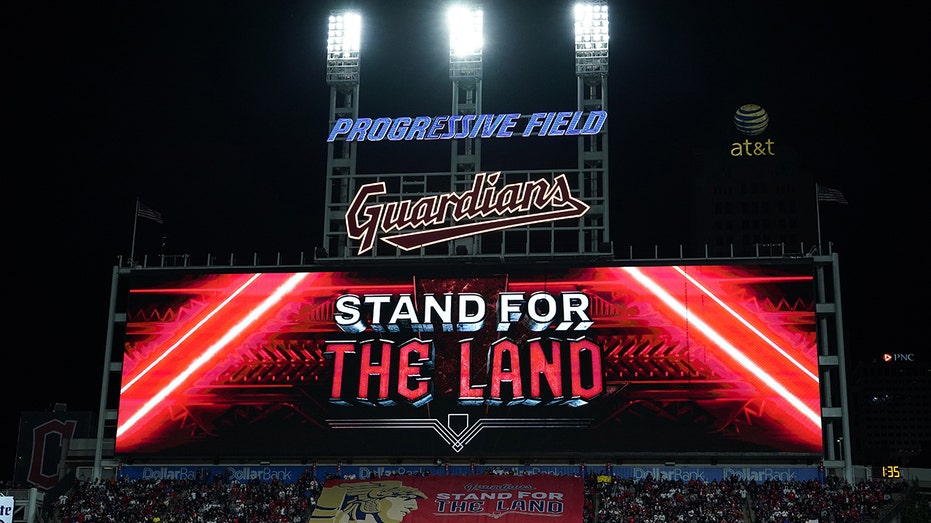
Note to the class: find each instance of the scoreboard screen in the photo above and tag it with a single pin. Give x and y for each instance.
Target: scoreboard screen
(477, 361)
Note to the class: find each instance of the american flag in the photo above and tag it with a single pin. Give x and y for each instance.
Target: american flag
(826, 194)
(145, 211)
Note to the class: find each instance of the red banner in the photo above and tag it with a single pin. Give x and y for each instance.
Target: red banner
(430, 499)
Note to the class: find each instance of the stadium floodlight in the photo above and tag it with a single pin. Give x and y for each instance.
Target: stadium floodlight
(465, 41)
(591, 38)
(344, 38)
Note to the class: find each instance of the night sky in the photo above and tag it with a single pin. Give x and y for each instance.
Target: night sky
(215, 114)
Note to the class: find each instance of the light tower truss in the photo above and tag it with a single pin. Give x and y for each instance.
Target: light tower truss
(591, 69)
(344, 39)
(585, 235)
(466, 40)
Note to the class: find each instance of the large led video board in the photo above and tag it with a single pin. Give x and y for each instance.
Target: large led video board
(483, 361)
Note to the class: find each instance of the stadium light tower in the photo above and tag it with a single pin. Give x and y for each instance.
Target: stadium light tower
(591, 38)
(591, 70)
(466, 40)
(344, 39)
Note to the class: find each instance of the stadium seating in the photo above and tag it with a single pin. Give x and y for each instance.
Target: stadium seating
(608, 500)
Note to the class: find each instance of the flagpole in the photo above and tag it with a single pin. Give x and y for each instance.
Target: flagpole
(818, 214)
(132, 247)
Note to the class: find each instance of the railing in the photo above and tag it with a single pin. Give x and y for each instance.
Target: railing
(638, 253)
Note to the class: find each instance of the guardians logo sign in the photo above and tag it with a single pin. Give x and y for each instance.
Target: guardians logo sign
(490, 208)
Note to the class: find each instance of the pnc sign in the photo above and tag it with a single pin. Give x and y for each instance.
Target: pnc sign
(892, 358)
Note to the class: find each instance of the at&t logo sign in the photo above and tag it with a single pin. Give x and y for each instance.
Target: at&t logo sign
(751, 120)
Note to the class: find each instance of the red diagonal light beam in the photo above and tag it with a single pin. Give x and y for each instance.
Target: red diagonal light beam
(725, 345)
(225, 338)
(188, 333)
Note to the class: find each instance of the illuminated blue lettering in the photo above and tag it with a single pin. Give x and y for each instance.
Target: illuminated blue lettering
(477, 128)
(594, 123)
(379, 128)
(359, 129)
(509, 121)
(573, 125)
(436, 127)
(466, 126)
(535, 120)
(446, 127)
(559, 126)
(489, 124)
(452, 127)
(342, 126)
(545, 130)
(418, 128)
(399, 128)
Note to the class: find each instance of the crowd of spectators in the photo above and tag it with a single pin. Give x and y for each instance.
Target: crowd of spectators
(219, 499)
(206, 499)
(735, 500)
(653, 500)
(832, 501)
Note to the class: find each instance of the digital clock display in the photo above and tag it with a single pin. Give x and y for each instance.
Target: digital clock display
(888, 472)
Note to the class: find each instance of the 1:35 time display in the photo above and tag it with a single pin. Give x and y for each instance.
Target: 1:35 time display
(890, 472)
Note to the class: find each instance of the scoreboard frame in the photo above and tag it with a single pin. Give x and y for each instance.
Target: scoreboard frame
(453, 426)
